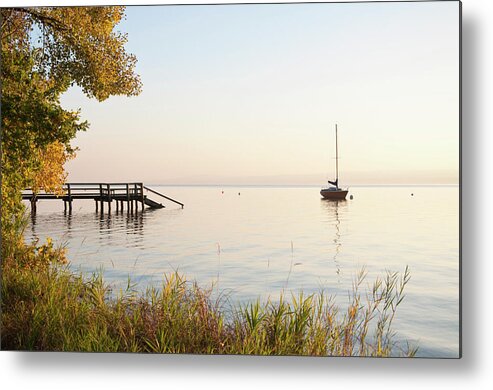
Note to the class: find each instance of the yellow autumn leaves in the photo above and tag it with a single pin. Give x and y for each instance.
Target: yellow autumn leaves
(51, 174)
(103, 67)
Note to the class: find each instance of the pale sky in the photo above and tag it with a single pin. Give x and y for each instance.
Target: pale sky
(250, 94)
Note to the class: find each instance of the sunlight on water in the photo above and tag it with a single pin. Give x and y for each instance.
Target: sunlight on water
(259, 241)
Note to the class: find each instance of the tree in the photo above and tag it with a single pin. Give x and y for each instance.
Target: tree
(44, 52)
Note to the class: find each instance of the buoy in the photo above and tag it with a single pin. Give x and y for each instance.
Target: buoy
(351, 197)
(239, 193)
(412, 194)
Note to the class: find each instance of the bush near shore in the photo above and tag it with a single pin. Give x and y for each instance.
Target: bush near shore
(47, 307)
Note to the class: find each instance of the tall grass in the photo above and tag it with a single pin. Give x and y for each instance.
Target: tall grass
(49, 308)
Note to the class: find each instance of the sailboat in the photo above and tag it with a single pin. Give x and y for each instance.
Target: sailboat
(334, 192)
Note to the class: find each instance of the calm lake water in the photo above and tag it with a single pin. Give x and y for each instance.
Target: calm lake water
(259, 241)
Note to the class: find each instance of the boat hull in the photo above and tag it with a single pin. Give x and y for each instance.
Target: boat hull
(334, 194)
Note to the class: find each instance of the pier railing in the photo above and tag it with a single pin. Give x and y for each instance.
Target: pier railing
(164, 196)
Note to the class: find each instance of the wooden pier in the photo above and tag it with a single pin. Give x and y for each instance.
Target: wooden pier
(123, 194)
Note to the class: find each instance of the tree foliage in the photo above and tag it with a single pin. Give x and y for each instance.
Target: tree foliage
(51, 174)
(75, 45)
(44, 52)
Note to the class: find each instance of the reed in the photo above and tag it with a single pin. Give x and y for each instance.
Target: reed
(45, 306)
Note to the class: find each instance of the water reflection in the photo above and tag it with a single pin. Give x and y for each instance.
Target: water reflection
(33, 224)
(333, 209)
(120, 226)
(68, 216)
(114, 229)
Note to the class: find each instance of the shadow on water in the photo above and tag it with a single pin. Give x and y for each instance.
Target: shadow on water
(108, 228)
(334, 208)
(121, 223)
(33, 224)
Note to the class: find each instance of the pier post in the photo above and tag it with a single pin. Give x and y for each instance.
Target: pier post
(131, 200)
(142, 195)
(96, 201)
(33, 204)
(101, 198)
(69, 198)
(128, 198)
(109, 197)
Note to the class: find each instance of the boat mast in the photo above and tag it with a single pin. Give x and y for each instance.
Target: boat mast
(337, 163)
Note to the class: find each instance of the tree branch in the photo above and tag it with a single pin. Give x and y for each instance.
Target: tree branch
(42, 18)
